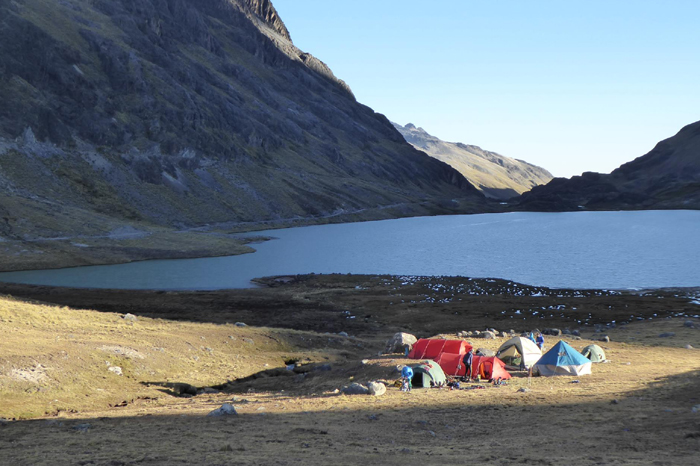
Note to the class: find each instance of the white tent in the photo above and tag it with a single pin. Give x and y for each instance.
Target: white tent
(519, 353)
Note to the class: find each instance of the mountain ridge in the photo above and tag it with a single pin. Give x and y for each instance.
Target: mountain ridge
(667, 177)
(180, 113)
(497, 176)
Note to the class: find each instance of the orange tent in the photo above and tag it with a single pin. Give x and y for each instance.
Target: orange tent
(488, 367)
(432, 348)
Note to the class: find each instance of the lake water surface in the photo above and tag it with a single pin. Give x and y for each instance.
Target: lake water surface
(611, 250)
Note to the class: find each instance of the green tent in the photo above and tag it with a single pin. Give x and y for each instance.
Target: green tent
(428, 374)
(594, 352)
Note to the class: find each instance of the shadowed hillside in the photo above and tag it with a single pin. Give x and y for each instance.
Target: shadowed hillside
(181, 113)
(668, 177)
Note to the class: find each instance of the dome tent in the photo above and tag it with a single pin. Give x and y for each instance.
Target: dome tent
(427, 374)
(594, 352)
(519, 353)
(432, 348)
(562, 359)
(489, 368)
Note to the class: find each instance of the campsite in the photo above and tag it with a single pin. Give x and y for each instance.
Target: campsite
(301, 340)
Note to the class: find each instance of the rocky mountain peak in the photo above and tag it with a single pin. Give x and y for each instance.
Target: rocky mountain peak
(266, 12)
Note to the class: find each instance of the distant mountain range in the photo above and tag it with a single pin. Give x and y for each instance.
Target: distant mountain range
(495, 175)
(668, 177)
(182, 113)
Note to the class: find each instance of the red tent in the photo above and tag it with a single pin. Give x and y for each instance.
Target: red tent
(431, 349)
(451, 364)
(488, 368)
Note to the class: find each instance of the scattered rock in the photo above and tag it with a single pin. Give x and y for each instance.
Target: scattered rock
(355, 389)
(343, 334)
(689, 324)
(488, 335)
(574, 337)
(129, 317)
(240, 324)
(82, 427)
(667, 335)
(3, 421)
(323, 368)
(225, 410)
(566, 331)
(605, 339)
(695, 409)
(504, 334)
(552, 331)
(373, 417)
(524, 390)
(485, 352)
(365, 362)
(376, 388)
(249, 341)
(576, 333)
(115, 369)
(400, 342)
(615, 402)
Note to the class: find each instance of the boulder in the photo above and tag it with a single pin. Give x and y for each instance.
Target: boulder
(240, 324)
(184, 389)
(129, 317)
(667, 335)
(488, 335)
(555, 332)
(399, 342)
(485, 352)
(576, 333)
(115, 369)
(605, 339)
(376, 388)
(355, 389)
(504, 334)
(343, 334)
(689, 324)
(225, 410)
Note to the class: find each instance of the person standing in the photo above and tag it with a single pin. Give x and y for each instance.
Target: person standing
(540, 341)
(406, 376)
(468, 358)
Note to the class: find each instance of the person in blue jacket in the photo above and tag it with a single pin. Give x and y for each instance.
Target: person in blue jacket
(406, 375)
(540, 341)
(468, 358)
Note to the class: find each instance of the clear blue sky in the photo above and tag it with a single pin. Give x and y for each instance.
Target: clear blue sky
(570, 85)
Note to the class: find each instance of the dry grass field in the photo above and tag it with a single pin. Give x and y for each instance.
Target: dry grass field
(63, 404)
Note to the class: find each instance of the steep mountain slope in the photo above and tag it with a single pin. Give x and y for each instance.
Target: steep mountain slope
(181, 113)
(495, 175)
(668, 177)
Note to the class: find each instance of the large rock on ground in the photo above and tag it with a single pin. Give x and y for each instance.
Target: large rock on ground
(399, 342)
(355, 389)
(225, 410)
(376, 388)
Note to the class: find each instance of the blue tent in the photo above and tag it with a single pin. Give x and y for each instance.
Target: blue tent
(562, 359)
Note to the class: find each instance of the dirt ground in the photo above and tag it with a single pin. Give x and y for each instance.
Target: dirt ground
(636, 409)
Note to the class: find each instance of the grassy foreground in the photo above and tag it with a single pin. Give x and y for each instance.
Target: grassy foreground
(70, 408)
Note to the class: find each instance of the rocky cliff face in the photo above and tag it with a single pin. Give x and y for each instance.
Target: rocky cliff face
(668, 177)
(495, 175)
(182, 113)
